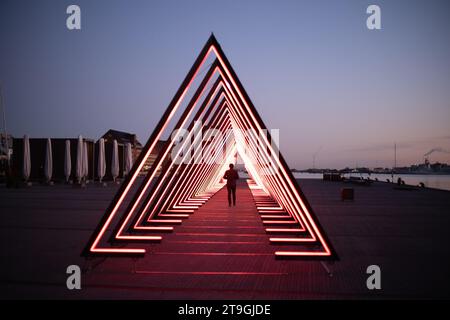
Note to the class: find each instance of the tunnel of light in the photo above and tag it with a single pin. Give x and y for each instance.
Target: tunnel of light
(172, 190)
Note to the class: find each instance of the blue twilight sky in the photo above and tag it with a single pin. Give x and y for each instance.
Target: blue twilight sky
(312, 69)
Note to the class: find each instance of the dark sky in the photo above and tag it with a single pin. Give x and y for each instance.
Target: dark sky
(312, 69)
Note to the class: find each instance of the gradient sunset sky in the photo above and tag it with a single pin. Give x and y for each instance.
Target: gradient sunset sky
(312, 69)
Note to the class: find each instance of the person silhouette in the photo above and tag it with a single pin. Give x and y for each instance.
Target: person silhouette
(231, 176)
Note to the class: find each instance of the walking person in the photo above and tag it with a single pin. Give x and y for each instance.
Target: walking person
(231, 176)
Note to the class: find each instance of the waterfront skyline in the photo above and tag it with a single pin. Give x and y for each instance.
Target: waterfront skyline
(335, 89)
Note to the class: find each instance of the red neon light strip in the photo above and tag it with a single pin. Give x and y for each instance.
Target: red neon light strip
(281, 187)
(178, 180)
(185, 174)
(184, 181)
(290, 240)
(305, 210)
(94, 246)
(203, 174)
(119, 234)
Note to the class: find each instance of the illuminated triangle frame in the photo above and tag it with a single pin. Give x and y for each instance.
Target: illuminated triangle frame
(181, 189)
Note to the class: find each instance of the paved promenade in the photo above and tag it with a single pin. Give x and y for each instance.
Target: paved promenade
(224, 253)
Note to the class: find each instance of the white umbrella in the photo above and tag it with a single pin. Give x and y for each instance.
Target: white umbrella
(115, 161)
(26, 158)
(85, 161)
(128, 158)
(101, 159)
(67, 161)
(48, 166)
(80, 170)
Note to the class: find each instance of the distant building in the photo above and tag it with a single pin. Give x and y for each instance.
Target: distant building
(136, 146)
(6, 150)
(38, 149)
(3, 143)
(123, 138)
(151, 159)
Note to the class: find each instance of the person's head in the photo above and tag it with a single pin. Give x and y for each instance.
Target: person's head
(231, 166)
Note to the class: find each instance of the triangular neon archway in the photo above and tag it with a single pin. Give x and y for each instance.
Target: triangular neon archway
(218, 122)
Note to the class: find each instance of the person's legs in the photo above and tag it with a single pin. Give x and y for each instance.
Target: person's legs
(233, 189)
(229, 189)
